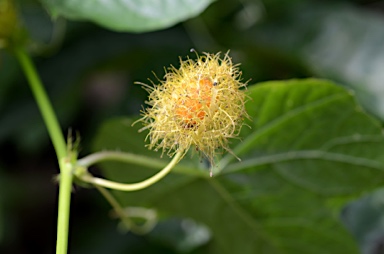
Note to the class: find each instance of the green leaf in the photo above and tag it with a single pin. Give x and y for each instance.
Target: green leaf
(310, 148)
(128, 15)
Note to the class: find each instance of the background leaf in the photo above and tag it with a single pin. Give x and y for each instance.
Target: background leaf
(309, 150)
(333, 39)
(128, 15)
(364, 218)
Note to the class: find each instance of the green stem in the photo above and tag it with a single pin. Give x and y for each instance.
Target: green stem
(137, 159)
(65, 190)
(116, 206)
(148, 215)
(58, 141)
(134, 186)
(43, 102)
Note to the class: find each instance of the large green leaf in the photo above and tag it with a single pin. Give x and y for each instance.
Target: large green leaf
(128, 15)
(310, 148)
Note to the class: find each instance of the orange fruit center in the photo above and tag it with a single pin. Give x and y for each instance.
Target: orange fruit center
(194, 104)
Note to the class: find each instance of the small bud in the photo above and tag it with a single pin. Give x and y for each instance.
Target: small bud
(8, 22)
(199, 104)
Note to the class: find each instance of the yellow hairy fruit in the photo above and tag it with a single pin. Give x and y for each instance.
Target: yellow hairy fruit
(200, 104)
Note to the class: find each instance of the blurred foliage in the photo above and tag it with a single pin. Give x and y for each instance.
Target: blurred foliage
(89, 73)
(364, 218)
(333, 40)
(8, 21)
